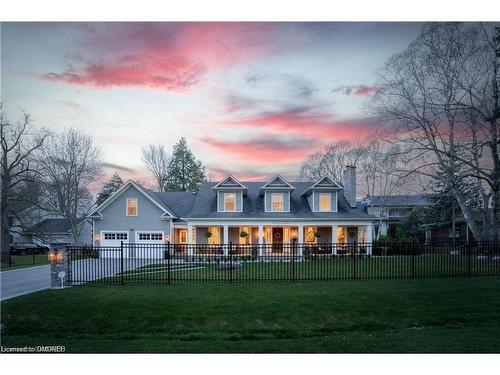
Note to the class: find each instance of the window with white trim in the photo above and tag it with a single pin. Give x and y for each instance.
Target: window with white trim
(132, 207)
(150, 236)
(277, 201)
(229, 201)
(115, 236)
(325, 201)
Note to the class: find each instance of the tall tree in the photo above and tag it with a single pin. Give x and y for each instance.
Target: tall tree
(71, 163)
(20, 143)
(441, 98)
(185, 172)
(332, 161)
(109, 187)
(157, 160)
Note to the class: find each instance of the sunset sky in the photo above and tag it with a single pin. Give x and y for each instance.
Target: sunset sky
(252, 99)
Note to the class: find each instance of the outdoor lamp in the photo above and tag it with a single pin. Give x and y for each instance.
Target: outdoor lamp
(52, 256)
(166, 238)
(59, 257)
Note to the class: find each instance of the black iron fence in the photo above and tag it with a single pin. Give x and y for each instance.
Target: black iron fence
(172, 263)
(20, 258)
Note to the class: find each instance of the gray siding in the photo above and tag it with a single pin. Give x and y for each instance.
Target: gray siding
(286, 199)
(326, 235)
(200, 235)
(148, 218)
(239, 199)
(234, 235)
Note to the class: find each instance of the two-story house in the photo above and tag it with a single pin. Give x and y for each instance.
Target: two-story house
(239, 212)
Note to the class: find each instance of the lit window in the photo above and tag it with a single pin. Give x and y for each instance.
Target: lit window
(325, 202)
(310, 237)
(214, 239)
(277, 201)
(132, 207)
(183, 235)
(229, 202)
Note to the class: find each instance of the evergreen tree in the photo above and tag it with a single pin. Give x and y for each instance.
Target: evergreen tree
(109, 188)
(186, 173)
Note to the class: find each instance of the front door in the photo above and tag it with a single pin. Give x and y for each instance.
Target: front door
(278, 240)
(352, 234)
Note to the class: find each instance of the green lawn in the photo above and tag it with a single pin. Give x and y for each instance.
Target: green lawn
(320, 268)
(22, 261)
(417, 315)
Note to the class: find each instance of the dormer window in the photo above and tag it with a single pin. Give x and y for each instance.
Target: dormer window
(325, 200)
(132, 207)
(229, 202)
(277, 201)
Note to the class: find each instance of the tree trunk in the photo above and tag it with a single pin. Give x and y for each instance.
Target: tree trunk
(5, 242)
(495, 208)
(476, 229)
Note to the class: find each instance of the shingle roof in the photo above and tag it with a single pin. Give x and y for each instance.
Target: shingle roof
(205, 205)
(52, 226)
(399, 200)
(179, 202)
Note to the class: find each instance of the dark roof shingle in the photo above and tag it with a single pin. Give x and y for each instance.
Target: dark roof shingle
(205, 205)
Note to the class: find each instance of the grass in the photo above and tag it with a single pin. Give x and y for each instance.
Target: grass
(418, 315)
(321, 268)
(23, 261)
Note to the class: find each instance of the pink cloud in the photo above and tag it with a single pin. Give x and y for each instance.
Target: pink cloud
(174, 74)
(172, 57)
(309, 124)
(265, 151)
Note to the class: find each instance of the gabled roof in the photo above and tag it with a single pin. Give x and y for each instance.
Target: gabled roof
(277, 183)
(146, 192)
(229, 182)
(324, 183)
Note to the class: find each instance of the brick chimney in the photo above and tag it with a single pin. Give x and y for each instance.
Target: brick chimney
(350, 185)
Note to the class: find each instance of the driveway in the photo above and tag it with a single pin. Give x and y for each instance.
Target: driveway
(24, 281)
(16, 283)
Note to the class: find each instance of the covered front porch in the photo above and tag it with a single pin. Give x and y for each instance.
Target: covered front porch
(271, 239)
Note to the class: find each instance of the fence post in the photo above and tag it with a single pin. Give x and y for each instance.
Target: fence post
(413, 259)
(293, 258)
(122, 280)
(469, 271)
(354, 260)
(168, 263)
(230, 262)
(59, 269)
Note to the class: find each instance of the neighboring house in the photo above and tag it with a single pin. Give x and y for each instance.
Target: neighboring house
(30, 225)
(57, 232)
(272, 212)
(391, 210)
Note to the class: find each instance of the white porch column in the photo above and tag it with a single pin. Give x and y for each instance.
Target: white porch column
(226, 240)
(300, 240)
(369, 238)
(190, 240)
(261, 239)
(334, 239)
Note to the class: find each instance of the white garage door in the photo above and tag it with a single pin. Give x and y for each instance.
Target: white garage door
(113, 240)
(150, 245)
